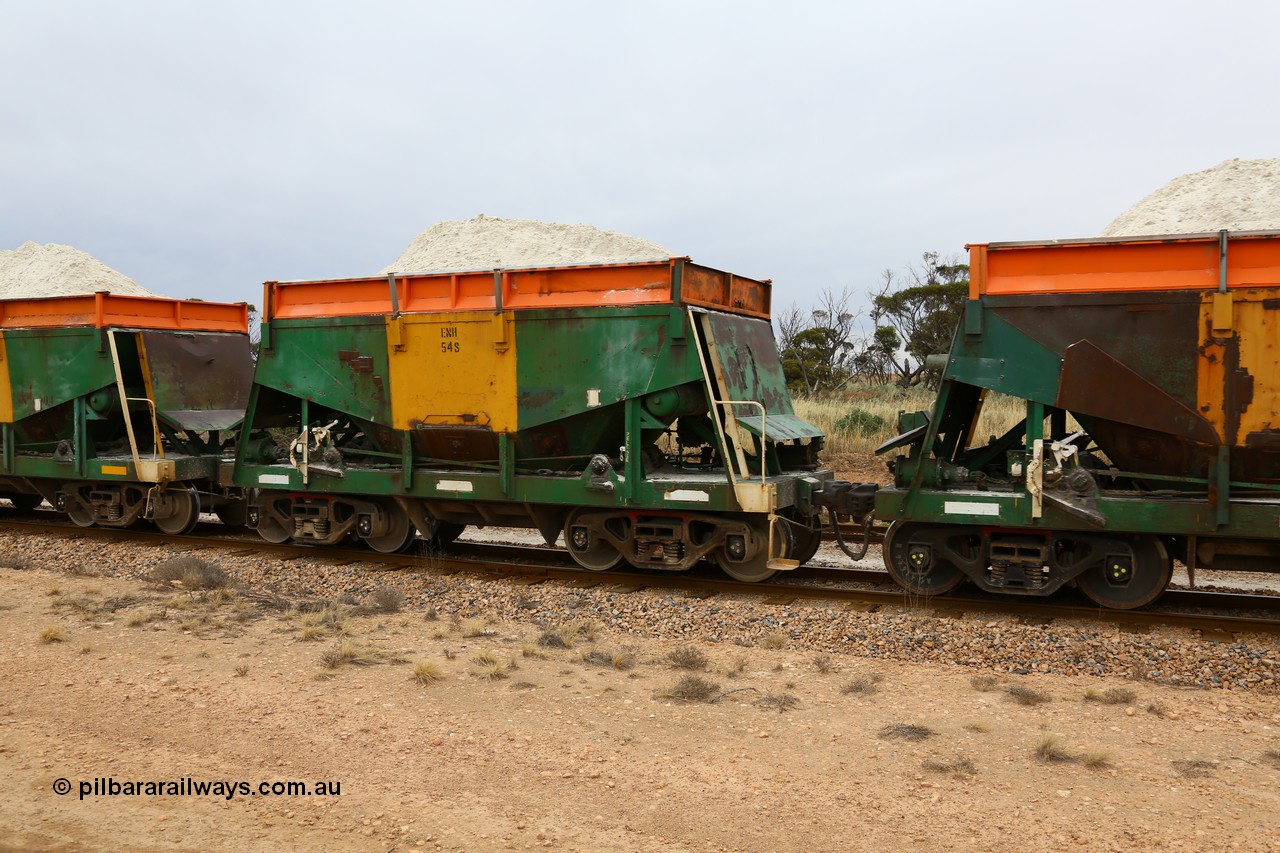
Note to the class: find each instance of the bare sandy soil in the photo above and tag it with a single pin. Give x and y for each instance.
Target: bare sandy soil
(524, 746)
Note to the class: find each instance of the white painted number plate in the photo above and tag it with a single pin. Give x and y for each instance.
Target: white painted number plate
(970, 508)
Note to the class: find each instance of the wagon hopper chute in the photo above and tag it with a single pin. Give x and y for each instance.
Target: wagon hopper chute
(638, 409)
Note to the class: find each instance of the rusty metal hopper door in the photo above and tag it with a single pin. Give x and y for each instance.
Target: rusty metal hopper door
(744, 374)
(743, 364)
(198, 380)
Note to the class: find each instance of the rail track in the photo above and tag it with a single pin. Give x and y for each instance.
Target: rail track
(1216, 615)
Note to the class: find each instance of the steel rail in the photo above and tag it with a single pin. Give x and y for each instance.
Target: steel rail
(534, 564)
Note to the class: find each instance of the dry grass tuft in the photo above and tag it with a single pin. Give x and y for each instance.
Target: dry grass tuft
(52, 635)
(568, 635)
(824, 664)
(472, 632)
(906, 731)
(431, 614)
(880, 405)
(774, 640)
(1097, 760)
(493, 671)
(491, 666)
(139, 618)
(1024, 695)
(552, 639)
(980, 728)
(329, 619)
(1050, 749)
(427, 672)
(242, 670)
(734, 668)
(863, 685)
(780, 702)
(687, 657)
(1158, 709)
(16, 561)
(312, 633)
(1194, 768)
(621, 659)
(1272, 757)
(384, 599)
(960, 766)
(985, 682)
(586, 629)
(692, 688)
(192, 573)
(348, 652)
(1110, 696)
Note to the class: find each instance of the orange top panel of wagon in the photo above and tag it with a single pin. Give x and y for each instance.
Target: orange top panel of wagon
(104, 309)
(1111, 265)
(596, 285)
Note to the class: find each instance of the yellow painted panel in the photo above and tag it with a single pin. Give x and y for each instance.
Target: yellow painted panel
(1255, 325)
(455, 369)
(119, 470)
(6, 391)
(1258, 325)
(1210, 371)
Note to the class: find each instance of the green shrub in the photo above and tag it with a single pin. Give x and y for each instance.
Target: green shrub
(860, 422)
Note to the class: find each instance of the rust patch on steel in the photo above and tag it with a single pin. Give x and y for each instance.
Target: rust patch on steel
(1095, 383)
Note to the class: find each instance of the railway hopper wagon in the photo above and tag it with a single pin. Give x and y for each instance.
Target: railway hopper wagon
(1149, 372)
(637, 409)
(119, 408)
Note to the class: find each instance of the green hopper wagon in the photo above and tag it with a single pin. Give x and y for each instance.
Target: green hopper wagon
(1149, 373)
(638, 409)
(120, 408)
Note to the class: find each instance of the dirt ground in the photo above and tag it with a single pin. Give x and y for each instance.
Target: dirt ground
(116, 679)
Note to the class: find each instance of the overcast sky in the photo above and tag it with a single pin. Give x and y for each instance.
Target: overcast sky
(202, 148)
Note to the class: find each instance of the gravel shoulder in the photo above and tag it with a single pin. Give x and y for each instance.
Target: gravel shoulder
(548, 727)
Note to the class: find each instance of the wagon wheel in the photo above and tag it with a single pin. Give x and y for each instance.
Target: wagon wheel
(400, 532)
(273, 531)
(268, 527)
(588, 550)
(911, 557)
(180, 510)
(807, 540)
(757, 568)
(1124, 585)
(81, 514)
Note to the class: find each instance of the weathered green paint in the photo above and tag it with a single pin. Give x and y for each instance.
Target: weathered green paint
(1162, 515)
(1004, 358)
(321, 360)
(55, 366)
(488, 486)
(563, 356)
